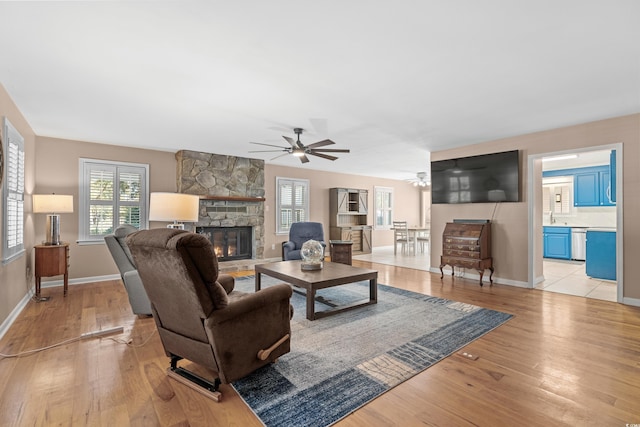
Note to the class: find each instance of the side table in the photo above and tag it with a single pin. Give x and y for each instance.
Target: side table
(51, 260)
(340, 251)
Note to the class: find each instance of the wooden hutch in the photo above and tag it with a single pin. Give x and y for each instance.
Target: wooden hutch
(467, 245)
(348, 219)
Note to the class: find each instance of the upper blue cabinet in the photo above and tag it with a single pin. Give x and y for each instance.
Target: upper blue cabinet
(612, 176)
(592, 186)
(586, 188)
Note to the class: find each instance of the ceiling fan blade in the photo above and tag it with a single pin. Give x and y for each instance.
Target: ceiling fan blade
(331, 150)
(268, 151)
(324, 156)
(281, 155)
(304, 159)
(321, 143)
(268, 145)
(290, 141)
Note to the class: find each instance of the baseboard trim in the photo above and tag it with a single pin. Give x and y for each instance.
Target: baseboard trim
(4, 327)
(80, 280)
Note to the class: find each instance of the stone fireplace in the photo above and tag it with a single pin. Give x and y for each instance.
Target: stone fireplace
(231, 191)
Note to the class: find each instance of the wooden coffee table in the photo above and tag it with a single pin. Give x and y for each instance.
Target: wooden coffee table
(332, 274)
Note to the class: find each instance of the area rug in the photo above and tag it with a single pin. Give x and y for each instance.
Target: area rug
(339, 363)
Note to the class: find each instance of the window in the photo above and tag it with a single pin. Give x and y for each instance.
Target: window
(13, 193)
(292, 203)
(384, 207)
(111, 194)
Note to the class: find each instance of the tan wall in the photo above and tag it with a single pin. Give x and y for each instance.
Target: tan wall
(57, 170)
(14, 283)
(407, 201)
(510, 230)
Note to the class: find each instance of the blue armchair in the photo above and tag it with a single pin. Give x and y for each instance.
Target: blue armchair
(299, 233)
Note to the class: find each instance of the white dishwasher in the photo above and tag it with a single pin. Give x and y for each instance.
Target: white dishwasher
(578, 243)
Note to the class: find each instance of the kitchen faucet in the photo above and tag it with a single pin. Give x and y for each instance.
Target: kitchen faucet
(552, 220)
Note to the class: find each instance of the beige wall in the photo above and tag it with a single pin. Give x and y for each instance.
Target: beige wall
(406, 200)
(57, 163)
(510, 229)
(57, 170)
(13, 276)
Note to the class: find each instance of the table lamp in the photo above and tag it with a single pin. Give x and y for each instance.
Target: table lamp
(52, 205)
(176, 207)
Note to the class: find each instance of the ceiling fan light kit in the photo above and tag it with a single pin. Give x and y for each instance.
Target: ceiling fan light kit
(301, 151)
(421, 180)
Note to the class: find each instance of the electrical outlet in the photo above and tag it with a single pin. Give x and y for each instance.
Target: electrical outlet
(468, 355)
(273, 246)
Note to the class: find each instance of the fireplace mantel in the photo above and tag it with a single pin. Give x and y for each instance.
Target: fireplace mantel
(234, 198)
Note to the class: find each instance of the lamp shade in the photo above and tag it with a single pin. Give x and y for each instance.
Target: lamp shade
(174, 207)
(52, 203)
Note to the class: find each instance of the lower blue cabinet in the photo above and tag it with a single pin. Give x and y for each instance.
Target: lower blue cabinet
(557, 242)
(601, 254)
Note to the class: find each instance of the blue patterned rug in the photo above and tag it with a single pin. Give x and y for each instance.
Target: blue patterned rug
(339, 363)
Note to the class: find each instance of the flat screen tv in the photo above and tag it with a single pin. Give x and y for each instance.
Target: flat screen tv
(487, 178)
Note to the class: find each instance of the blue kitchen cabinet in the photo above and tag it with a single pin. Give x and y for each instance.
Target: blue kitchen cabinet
(612, 175)
(586, 189)
(557, 242)
(601, 254)
(592, 186)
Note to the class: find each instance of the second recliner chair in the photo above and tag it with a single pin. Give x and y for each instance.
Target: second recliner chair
(124, 261)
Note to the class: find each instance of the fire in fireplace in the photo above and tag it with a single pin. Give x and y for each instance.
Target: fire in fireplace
(229, 243)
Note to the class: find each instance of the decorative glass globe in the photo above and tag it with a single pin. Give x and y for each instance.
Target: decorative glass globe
(312, 255)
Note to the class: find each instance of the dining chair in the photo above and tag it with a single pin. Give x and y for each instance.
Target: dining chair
(423, 240)
(401, 235)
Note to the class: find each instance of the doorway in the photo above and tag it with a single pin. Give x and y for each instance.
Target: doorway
(562, 273)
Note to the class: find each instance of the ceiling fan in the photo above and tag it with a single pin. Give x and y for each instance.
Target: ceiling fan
(300, 150)
(420, 180)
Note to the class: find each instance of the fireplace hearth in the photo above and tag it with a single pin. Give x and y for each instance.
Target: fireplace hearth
(230, 243)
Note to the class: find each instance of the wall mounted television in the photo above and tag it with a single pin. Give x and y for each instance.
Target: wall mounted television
(486, 178)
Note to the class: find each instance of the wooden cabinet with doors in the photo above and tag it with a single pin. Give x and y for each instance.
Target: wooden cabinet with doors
(348, 218)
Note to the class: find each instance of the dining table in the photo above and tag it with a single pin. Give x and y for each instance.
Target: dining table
(414, 232)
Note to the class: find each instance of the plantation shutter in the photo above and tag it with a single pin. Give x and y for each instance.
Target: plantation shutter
(293, 203)
(112, 194)
(101, 201)
(13, 193)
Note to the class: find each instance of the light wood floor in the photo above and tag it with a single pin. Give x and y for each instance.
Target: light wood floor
(562, 360)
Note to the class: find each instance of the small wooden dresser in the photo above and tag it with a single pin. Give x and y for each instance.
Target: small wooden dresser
(467, 245)
(51, 260)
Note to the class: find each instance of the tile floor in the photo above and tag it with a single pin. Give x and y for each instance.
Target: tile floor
(384, 255)
(567, 277)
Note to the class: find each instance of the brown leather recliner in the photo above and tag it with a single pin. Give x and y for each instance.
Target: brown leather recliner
(198, 316)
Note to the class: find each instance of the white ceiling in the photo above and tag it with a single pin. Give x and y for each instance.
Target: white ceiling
(392, 81)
